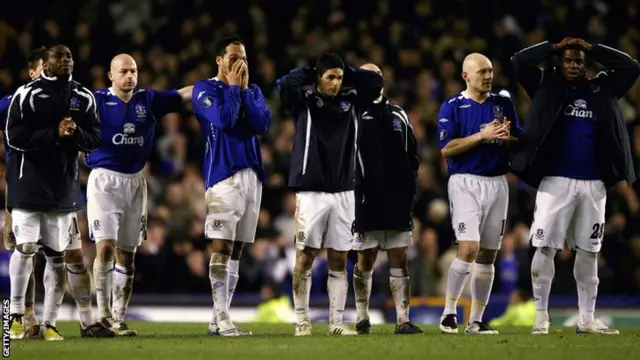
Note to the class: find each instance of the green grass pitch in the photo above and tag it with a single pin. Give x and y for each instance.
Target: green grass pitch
(180, 341)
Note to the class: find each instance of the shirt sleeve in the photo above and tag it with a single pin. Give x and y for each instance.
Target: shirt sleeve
(164, 102)
(447, 125)
(512, 115)
(219, 109)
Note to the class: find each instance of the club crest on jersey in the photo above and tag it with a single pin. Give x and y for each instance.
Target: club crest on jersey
(498, 112)
(345, 105)
(75, 104)
(397, 125)
(141, 111)
(443, 134)
(207, 101)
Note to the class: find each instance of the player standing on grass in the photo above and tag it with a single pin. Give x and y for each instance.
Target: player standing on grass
(473, 128)
(232, 114)
(387, 167)
(50, 120)
(77, 275)
(322, 172)
(116, 189)
(575, 148)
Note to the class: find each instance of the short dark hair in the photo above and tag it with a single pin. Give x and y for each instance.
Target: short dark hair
(328, 61)
(35, 56)
(221, 45)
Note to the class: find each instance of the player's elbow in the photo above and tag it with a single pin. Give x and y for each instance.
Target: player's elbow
(445, 152)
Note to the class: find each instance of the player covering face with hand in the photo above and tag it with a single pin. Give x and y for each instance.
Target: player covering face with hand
(232, 114)
(116, 189)
(474, 128)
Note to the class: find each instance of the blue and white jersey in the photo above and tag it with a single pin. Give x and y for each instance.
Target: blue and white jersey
(128, 128)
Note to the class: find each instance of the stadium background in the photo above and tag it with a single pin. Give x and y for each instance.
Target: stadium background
(419, 45)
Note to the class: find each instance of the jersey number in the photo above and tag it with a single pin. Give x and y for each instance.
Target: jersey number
(598, 231)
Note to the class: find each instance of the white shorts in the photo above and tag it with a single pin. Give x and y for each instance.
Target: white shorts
(117, 207)
(324, 220)
(76, 237)
(479, 206)
(569, 209)
(50, 229)
(384, 239)
(233, 207)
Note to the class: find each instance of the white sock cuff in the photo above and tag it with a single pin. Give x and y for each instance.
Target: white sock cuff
(461, 266)
(485, 268)
(234, 266)
(362, 274)
(219, 260)
(124, 270)
(76, 268)
(103, 267)
(398, 273)
(338, 274)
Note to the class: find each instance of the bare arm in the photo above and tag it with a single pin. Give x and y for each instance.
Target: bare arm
(185, 92)
(459, 146)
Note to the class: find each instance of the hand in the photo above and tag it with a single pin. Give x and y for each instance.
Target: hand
(245, 76)
(235, 74)
(583, 44)
(66, 127)
(494, 130)
(562, 44)
(506, 125)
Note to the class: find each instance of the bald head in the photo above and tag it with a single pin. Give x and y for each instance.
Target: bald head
(477, 72)
(371, 67)
(474, 61)
(123, 73)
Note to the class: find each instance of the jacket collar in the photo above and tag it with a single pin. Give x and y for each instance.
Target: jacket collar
(55, 79)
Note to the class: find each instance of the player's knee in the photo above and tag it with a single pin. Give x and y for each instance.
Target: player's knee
(397, 258)
(56, 257)
(304, 258)
(125, 255)
(486, 256)
(366, 259)
(548, 251)
(105, 250)
(222, 246)
(337, 260)
(586, 254)
(74, 256)
(468, 250)
(28, 249)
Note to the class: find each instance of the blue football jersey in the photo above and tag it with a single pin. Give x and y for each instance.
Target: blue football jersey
(128, 128)
(460, 117)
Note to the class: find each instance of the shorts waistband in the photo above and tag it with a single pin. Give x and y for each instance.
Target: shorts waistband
(499, 178)
(118, 174)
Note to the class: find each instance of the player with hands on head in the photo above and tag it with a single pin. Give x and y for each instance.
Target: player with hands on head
(322, 173)
(575, 147)
(50, 120)
(232, 115)
(474, 128)
(116, 188)
(387, 167)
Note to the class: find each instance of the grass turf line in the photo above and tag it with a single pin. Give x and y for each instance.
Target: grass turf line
(185, 341)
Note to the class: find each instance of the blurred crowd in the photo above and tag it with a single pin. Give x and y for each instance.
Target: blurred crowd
(418, 44)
